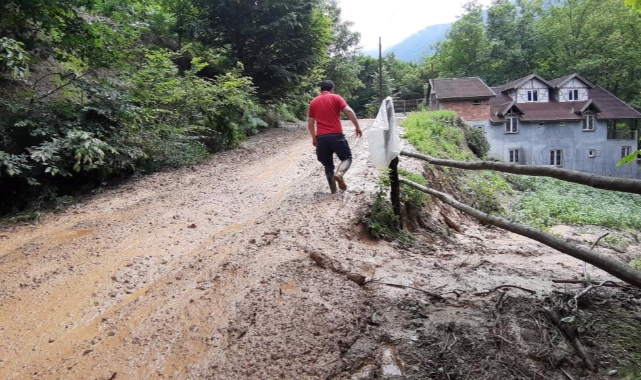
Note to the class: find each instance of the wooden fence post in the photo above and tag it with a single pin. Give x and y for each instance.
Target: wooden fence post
(395, 191)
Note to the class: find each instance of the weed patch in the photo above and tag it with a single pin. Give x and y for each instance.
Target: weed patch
(381, 222)
(436, 133)
(484, 187)
(411, 197)
(551, 202)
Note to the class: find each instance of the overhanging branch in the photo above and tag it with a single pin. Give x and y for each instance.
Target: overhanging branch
(593, 180)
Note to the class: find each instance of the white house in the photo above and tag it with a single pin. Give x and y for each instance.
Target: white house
(566, 122)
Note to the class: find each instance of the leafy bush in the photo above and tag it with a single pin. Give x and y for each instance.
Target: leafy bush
(476, 141)
(93, 129)
(13, 58)
(381, 221)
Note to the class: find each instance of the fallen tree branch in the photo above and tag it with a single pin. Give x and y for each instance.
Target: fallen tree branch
(608, 284)
(438, 296)
(585, 265)
(504, 286)
(574, 302)
(617, 269)
(572, 334)
(592, 180)
(566, 374)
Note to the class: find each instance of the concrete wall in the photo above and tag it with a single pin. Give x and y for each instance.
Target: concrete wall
(534, 142)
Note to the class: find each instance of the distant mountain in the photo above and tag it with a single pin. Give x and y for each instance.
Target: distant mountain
(416, 46)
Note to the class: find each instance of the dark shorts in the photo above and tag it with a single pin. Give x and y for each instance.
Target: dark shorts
(327, 145)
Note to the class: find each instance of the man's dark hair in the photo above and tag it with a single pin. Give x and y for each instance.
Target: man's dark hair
(326, 85)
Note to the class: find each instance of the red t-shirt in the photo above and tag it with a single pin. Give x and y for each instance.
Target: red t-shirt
(326, 109)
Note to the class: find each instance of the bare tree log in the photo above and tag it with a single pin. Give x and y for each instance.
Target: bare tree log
(593, 180)
(617, 269)
(326, 263)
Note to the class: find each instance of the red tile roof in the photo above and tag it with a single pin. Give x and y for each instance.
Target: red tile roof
(611, 107)
(462, 88)
(559, 82)
(519, 82)
(606, 105)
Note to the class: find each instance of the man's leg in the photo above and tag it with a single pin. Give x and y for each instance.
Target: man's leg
(325, 155)
(344, 153)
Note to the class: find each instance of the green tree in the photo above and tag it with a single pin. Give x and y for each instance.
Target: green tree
(596, 38)
(278, 41)
(464, 52)
(342, 64)
(513, 38)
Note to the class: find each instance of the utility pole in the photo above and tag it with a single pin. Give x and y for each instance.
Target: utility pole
(380, 69)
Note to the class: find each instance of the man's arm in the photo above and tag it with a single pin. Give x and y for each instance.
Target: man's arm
(351, 115)
(311, 125)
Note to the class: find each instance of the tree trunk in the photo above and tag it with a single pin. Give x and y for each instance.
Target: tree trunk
(593, 180)
(615, 268)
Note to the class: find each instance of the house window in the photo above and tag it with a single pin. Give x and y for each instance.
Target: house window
(556, 157)
(533, 95)
(476, 102)
(573, 94)
(625, 151)
(588, 123)
(514, 156)
(591, 153)
(512, 125)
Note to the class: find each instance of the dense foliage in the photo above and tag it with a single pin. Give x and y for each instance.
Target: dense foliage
(91, 91)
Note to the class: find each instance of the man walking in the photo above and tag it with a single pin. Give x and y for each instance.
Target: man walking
(325, 126)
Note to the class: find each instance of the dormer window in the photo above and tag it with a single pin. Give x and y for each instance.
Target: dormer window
(573, 95)
(588, 123)
(532, 95)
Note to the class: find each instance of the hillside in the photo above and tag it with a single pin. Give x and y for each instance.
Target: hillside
(416, 46)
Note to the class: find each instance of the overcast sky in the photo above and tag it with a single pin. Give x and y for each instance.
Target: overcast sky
(395, 20)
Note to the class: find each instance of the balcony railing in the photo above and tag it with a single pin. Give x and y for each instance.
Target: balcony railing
(621, 135)
(407, 105)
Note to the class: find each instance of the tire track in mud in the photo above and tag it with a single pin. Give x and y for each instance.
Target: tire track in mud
(152, 279)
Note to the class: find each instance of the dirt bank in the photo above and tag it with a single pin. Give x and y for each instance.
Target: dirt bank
(205, 272)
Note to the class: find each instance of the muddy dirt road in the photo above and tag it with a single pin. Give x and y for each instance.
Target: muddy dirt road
(205, 273)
